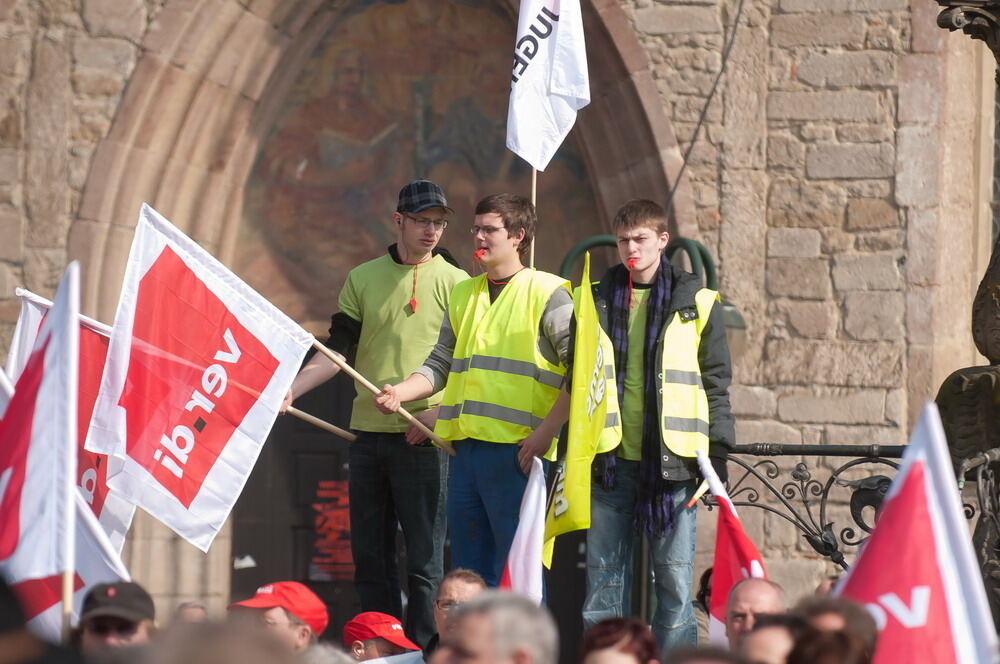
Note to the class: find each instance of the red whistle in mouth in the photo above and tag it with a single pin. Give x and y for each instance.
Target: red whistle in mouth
(631, 263)
(479, 253)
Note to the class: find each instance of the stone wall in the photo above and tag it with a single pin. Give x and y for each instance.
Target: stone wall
(836, 181)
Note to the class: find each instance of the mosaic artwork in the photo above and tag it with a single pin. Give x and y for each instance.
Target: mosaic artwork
(396, 90)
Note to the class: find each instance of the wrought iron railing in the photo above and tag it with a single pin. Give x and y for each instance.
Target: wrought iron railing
(807, 497)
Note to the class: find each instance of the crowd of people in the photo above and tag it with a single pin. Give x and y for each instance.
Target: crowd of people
(284, 621)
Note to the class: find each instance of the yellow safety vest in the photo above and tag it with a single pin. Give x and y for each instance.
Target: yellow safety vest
(683, 403)
(500, 386)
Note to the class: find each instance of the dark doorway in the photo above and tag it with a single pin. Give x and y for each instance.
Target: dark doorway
(291, 523)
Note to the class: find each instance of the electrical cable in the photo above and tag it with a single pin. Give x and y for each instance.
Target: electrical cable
(726, 50)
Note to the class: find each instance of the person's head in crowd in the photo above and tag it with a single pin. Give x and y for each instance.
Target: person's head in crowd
(619, 641)
(703, 596)
(325, 653)
(825, 587)
(372, 634)
(504, 226)
(703, 655)
(748, 599)
(288, 611)
(457, 587)
(212, 643)
(498, 627)
(17, 644)
(191, 612)
(421, 216)
(831, 614)
(820, 647)
(115, 615)
(771, 638)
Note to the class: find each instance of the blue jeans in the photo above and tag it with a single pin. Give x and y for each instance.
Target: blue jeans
(396, 485)
(485, 485)
(610, 543)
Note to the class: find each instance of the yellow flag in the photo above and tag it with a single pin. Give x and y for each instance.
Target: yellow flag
(593, 418)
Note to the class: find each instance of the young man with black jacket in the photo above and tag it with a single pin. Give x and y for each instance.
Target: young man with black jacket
(673, 373)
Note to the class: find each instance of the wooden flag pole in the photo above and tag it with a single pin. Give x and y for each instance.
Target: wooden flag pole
(322, 424)
(534, 197)
(367, 384)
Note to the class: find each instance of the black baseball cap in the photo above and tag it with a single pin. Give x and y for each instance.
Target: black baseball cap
(125, 600)
(419, 195)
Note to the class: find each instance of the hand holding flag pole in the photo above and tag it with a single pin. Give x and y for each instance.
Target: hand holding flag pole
(368, 385)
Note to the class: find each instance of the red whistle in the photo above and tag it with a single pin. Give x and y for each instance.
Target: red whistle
(479, 253)
(631, 263)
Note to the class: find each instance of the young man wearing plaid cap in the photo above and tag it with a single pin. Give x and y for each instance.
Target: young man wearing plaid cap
(390, 309)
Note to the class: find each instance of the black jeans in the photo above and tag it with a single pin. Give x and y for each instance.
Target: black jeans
(395, 484)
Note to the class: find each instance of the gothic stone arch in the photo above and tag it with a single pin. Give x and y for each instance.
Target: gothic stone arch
(202, 98)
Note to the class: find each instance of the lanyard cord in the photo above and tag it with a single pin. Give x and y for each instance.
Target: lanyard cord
(413, 290)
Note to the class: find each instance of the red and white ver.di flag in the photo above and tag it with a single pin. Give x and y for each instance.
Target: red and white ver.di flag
(113, 513)
(917, 573)
(736, 556)
(40, 509)
(523, 571)
(197, 368)
(550, 81)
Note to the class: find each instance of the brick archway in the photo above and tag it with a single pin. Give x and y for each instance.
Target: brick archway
(210, 80)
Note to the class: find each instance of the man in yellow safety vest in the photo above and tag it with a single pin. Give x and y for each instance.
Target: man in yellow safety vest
(501, 357)
(672, 369)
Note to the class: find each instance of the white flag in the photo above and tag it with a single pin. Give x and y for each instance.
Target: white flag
(550, 82)
(197, 367)
(96, 562)
(38, 455)
(112, 511)
(522, 572)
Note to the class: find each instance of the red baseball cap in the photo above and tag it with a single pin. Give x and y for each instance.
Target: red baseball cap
(292, 597)
(372, 624)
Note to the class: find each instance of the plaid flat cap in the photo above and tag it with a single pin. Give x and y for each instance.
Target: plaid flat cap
(419, 195)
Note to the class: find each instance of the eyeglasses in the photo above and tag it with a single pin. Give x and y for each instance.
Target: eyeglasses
(446, 605)
(485, 230)
(424, 223)
(105, 626)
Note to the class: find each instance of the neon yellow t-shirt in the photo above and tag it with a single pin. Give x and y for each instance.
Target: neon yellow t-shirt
(395, 340)
(632, 402)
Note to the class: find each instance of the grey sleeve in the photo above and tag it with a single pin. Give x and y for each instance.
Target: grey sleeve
(437, 365)
(554, 329)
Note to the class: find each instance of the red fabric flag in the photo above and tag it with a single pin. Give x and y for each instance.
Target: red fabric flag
(112, 511)
(736, 556)
(917, 573)
(45, 528)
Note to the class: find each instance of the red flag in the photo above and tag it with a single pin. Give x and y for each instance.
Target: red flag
(46, 527)
(917, 573)
(197, 368)
(112, 511)
(37, 459)
(522, 573)
(736, 556)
